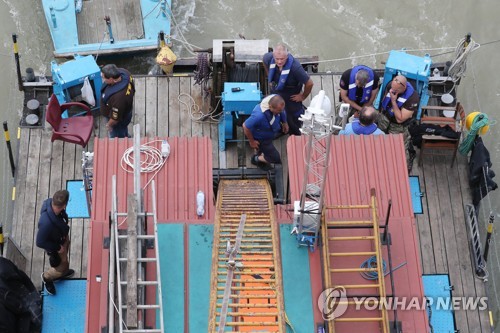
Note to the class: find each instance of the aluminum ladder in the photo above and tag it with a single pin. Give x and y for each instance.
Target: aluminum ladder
(364, 233)
(128, 258)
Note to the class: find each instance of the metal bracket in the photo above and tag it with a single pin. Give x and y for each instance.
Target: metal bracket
(105, 242)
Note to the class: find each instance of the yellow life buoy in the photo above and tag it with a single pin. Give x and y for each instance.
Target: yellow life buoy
(469, 120)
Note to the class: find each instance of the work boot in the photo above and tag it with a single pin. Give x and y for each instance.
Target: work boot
(49, 286)
(67, 275)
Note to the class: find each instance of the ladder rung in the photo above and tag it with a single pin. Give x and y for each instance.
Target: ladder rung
(348, 207)
(250, 266)
(144, 306)
(145, 283)
(249, 305)
(249, 296)
(342, 254)
(138, 237)
(253, 314)
(353, 320)
(248, 323)
(142, 330)
(247, 288)
(140, 259)
(336, 223)
(255, 280)
(359, 286)
(347, 238)
(348, 270)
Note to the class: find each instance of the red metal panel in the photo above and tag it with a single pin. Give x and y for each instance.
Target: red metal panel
(187, 171)
(357, 164)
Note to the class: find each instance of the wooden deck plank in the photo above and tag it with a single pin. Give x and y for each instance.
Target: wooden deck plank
(29, 206)
(163, 109)
(431, 199)
(151, 122)
(68, 173)
(173, 107)
(184, 93)
(464, 255)
(77, 246)
(196, 94)
(37, 263)
(20, 186)
(480, 287)
(139, 104)
(450, 241)
(424, 230)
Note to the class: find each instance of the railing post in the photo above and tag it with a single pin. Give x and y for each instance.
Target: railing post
(9, 148)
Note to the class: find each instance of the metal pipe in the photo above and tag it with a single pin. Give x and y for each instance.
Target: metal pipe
(489, 232)
(110, 30)
(18, 66)
(9, 148)
(386, 227)
(1, 241)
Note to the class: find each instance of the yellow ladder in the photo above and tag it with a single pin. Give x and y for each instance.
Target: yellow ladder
(365, 233)
(246, 290)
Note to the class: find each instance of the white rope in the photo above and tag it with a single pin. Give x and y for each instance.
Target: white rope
(194, 110)
(459, 65)
(182, 39)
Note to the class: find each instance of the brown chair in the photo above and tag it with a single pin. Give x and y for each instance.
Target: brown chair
(437, 144)
(75, 129)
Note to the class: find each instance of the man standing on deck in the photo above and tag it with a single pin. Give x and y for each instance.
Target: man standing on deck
(358, 88)
(286, 77)
(117, 99)
(53, 237)
(398, 110)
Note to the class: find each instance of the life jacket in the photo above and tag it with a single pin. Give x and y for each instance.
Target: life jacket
(284, 72)
(109, 90)
(367, 90)
(357, 128)
(386, 102)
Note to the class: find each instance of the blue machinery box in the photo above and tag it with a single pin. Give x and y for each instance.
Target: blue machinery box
(412, 67)
(238, 98)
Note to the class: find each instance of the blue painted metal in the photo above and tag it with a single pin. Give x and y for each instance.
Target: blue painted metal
(437, 288)
(411, 66)
(69, 76)
(77, 205)
(235, 104)
(65, 312)
(61, 19)
(416, 195)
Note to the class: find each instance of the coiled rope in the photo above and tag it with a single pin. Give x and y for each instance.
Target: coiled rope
(478, 123)
(371, 263)
(462, 51)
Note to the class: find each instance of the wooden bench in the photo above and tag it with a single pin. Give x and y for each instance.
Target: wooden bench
(438, 144)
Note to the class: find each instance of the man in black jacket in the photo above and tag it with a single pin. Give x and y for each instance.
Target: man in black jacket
(53, 237)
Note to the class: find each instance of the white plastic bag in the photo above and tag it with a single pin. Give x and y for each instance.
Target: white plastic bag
(87, 92)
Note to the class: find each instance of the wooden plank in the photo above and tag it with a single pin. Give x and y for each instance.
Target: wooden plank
(132, 211)
(196, 94)
(85, 250)
(431, 199)
(219, 157)
(37, 264)
(480, 288)
(14, 254)
(151, 113)
(450, 241)
(77, 246)
(163, 88)
(464, 255)
(139, 103)
(20, 186)
(185, 106)
(424, 229)
(29, 207)
(173, 107)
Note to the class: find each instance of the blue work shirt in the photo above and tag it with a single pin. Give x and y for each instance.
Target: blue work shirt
(259, 123)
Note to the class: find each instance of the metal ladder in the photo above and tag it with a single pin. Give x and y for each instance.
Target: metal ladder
(128, 251)
(365, 233)
(246, 291)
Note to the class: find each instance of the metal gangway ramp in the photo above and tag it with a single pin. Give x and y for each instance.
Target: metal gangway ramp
(364, 237)
(246, 286)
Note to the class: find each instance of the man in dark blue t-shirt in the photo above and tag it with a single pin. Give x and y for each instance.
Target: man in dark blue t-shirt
(286, 77)
(267, 120)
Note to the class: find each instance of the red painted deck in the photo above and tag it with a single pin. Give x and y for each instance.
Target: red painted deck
(187, 170)
(359, 163)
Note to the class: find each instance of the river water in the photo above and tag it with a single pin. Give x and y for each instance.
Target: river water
(331, 29)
